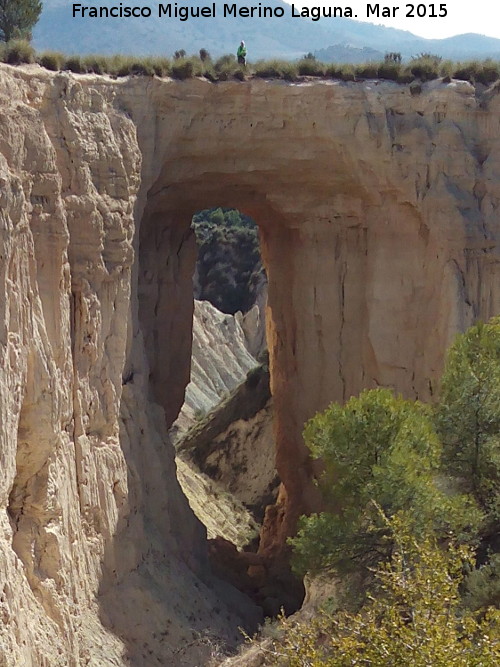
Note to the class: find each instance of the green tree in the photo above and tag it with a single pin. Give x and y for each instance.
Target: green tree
(468, 416)
(229, 269)
(18, 17)
(414, 617)
(376, 448)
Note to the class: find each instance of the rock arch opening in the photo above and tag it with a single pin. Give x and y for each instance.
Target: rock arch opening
(167, 255)
(224, 429)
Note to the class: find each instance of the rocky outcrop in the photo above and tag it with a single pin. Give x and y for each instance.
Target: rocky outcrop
(234, 444)
(219, 511)
(378, 213)
(220, 360)
(253, 322)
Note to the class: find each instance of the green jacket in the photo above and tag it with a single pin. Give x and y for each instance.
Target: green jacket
(242, 51)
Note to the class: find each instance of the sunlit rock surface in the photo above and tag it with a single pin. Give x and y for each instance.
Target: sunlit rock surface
(378, 213)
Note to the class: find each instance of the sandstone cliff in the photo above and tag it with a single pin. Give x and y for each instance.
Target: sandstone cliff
(378, 214)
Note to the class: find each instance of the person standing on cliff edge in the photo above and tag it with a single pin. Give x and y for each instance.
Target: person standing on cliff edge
(241, 53)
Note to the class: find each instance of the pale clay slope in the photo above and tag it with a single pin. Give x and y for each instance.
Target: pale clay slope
(379, 227)
(220, 360)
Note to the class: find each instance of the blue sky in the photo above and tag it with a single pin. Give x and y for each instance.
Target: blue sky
(481, 16)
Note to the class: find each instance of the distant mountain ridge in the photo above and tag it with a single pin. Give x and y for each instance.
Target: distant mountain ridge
(338, 39)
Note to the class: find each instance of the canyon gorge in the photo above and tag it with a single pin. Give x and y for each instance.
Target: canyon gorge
(378, 213)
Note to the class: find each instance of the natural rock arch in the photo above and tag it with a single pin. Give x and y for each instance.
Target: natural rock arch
(355, 206)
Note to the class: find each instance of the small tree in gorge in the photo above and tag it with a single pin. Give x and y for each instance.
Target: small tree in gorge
(18, 17)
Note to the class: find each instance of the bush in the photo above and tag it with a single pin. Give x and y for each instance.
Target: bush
(228, 259)
(341, 72)
(413, 616)
(204, 55)
(310, 67)
(226, 59)
(376, 448)
(390, 71)
(96, 64)
(141, 68)
(486, 72)
(481, 587)
(182, 69)
(425, 67)
(161, 66)
(225, 67)
(51, 60)
(18, 52)
(74, 64)
(393, 58)
(368, 71)
(446, 69)
(276, 69)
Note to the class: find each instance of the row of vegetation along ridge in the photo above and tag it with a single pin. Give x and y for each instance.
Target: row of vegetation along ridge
(425, 67)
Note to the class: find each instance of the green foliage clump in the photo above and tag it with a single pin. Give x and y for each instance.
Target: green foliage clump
(413, 616)
(18, 52)
(95, 64)
(376, 448)
(225, 67)
(425, 67)
(139, 68)
(204, 55)
(393, 57)
(392, 71)
(52, 60)
(276, 69)
(18, 18)
(74, 64)
(468, 415)
(310, 67)
(229, 269)
(486, 72)
(481, 587)
(367, 71)
(182, 68)
(340, 72)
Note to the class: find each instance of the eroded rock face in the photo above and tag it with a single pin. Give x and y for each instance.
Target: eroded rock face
(234, 444)
(378, 214)
(220, 361)
(98, 545)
